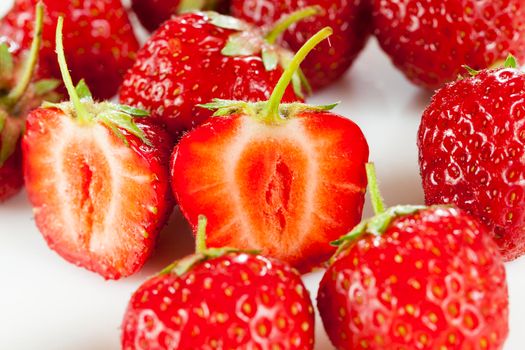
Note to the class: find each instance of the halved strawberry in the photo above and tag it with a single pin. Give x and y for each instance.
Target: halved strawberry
(97, 179)
(284, 183)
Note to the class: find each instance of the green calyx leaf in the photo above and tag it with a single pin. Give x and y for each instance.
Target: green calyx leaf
(227, 22)
(115, 117)
(184, 265)
(255, 109)
(471, 70)
(511, 62)
(83, 92)
(244, 43)
(376, 225)
(45, 86)
(270, 58)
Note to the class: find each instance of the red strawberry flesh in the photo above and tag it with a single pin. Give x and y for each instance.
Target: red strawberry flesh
(98, 202)
(276, 188)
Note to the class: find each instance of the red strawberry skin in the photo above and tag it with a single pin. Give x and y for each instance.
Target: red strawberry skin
(430, 40)
(238, 301)
(287, 190)
(11, 178)
(433, 280)
(471, 152)
(152, 13)
(98, 202)
(350, 21)
(99, 41)
(181, 66)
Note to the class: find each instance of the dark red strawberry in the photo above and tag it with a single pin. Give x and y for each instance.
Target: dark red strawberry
(430, 40)
(152, 13)
(416, 278)
(471, 152)
(286, 179)
(97, 179)
(197, 57)
(18, 95)
(221, 299)
(100, 44)
(349, 19)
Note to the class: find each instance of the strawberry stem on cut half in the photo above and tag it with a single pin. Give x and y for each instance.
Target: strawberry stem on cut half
(283, 24)
(272, 111)
(81, 111)
(114, 116)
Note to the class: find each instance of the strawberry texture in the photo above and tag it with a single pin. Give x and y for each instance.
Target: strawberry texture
(432, 280)
(99, 41)
(181, 66)
(349, 19)
(430, 40)
(471, 152)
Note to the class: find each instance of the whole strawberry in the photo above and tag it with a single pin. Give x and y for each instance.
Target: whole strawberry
(471, 152)
(196, 57)
(416, 278)
(430, 40)
(220, 299)
(152, 13)
(350, 21)
(18, 95)
(100, 44)
(97, 179)
(283, 178)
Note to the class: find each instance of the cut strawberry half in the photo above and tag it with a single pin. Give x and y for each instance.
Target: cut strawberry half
(97, 179)
(286, 181)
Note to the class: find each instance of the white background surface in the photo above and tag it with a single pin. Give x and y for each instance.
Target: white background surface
(46, 303)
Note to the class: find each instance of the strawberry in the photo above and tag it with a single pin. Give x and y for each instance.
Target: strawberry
(97, 179)
(100, 43)
(349, 19)
(152, 13)
(196, 57)
(18, 95)
(220, 299)
(430, 40)
(286, 179)
(471, 151)
(415, 278)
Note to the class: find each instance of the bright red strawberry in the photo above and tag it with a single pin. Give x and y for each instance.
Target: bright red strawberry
(221, 299)
(349, 19)
(286, 179)
(100, 44)
(97, 180)
(152, 13)
(430, 40)
(416, 278)
(18, 95)
(471, 152)
(195, 58)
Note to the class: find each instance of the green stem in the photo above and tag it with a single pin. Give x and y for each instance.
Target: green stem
(200, 243)
(82, 113)
(27, 74)
(272, 108)
(282, 25)
(373, 187)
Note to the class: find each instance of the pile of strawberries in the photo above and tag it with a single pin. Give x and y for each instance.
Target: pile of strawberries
(212, 119)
